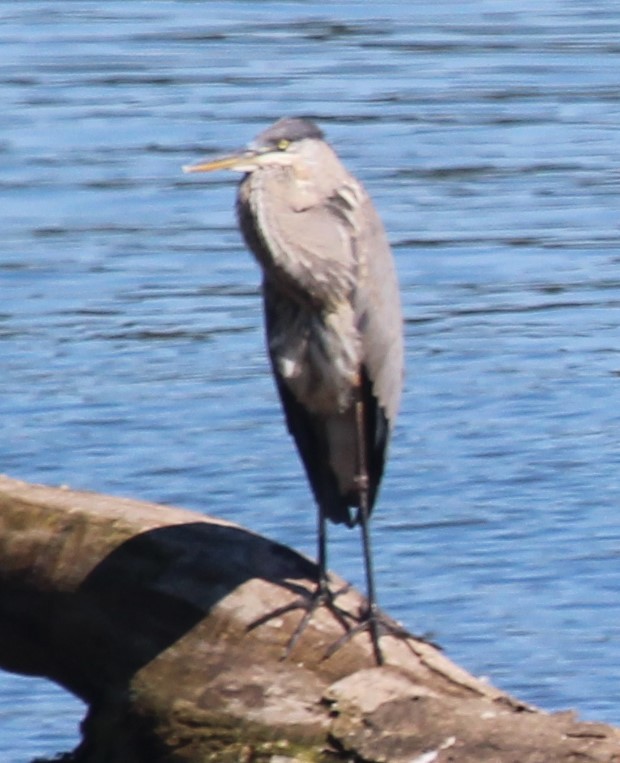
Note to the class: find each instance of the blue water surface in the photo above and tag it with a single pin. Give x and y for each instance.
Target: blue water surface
(131, 329)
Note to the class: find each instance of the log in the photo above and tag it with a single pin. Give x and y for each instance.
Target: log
(148, 614)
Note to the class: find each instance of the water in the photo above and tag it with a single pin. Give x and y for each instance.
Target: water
(130, 322)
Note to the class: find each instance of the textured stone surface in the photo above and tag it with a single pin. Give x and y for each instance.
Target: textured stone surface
(145, 612)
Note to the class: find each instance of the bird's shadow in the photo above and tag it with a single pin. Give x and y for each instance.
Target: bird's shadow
(153, 588)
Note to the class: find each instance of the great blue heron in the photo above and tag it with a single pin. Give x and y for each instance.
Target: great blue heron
(333, 323)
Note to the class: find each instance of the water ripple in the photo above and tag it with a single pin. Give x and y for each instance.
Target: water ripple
(131, 324)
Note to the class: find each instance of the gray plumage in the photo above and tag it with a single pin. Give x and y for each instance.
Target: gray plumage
(332, 309)
(333, 321)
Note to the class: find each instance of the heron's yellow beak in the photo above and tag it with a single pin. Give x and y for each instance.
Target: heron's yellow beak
(244, 161)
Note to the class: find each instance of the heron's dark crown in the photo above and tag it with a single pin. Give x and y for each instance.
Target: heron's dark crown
(288, 128)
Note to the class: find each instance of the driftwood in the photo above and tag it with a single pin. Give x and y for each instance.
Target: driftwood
(144, 612)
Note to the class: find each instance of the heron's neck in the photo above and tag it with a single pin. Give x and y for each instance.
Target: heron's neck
(284, 225)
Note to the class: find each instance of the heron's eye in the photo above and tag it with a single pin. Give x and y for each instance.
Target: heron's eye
(283, 144)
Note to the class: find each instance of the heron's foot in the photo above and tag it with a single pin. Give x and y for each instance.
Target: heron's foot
(373, 621)
(322, 596)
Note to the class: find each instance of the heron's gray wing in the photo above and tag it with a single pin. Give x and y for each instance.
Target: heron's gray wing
(379, 321)
(334, 249)
(365, 252)
(325, 440)
(378, 310)
(339, 252)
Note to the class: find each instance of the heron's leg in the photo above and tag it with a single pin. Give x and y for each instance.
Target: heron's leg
(322, 596)
(323, 586)
(371, 619)
(372, 612)
(364, 516)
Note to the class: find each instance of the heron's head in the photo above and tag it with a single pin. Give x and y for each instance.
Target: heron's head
(282, 144)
